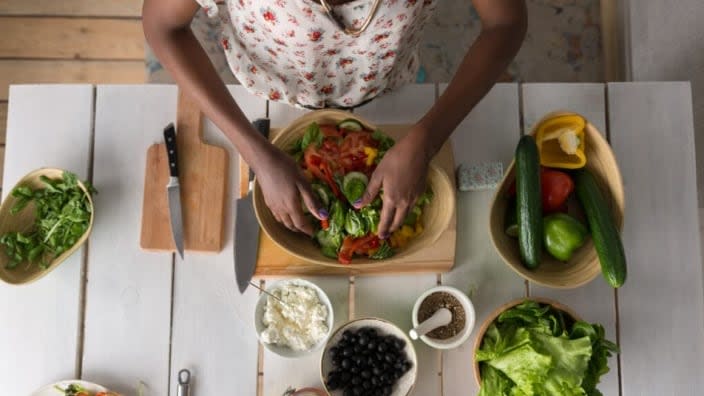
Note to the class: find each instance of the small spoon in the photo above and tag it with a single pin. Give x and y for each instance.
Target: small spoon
(441, 317)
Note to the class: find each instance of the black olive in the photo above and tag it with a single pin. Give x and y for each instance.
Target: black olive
(386, 391)
(366, 385)
(399, 343)
(372, 344)
(348, 392)
(377, 371)
(358, 360)
(347, 352)
(356, 381)
(333, 383)
(407, 366)
(357, 391)
(354, 370)
(345, 377)
(357, 349)
(363, 339)
(389, 358)
(346, 363)
(365, 374)
(381, 347)
(370, 361)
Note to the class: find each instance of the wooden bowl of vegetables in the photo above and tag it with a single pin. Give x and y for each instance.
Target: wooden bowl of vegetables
(46, 217)
(338, 151)
(557, 215)
(526, 339)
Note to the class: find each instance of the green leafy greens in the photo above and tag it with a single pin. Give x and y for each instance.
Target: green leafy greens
(533, 349)
(385, 143)
(62, 217)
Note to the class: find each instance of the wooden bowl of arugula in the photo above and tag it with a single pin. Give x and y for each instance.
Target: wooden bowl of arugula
(46, 217)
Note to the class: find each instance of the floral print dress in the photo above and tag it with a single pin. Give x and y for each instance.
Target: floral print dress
(291, 51)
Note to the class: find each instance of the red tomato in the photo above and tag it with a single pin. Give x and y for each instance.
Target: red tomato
(325, 224)
(556, 186)
(330, 131)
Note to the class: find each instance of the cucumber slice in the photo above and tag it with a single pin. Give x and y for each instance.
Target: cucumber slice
(353, 185)
(323, 193)
(351, 125)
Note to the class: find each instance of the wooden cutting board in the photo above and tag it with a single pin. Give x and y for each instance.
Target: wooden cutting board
(440, 257)
(203, 177)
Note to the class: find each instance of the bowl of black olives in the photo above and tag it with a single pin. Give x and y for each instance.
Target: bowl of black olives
(369, 357)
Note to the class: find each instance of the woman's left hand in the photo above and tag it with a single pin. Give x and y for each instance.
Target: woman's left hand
(402, 175)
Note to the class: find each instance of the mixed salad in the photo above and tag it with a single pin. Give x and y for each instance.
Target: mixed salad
(78, 390)
(338, 160)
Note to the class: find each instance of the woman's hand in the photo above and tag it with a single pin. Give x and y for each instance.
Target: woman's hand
(283, 186)
(402, 175)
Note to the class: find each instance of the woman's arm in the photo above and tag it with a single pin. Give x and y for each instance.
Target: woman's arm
(504, 25)
(402, 172)
(167, 29)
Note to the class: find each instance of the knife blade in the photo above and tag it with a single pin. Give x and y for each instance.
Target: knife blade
(173, 189)
(247, 226)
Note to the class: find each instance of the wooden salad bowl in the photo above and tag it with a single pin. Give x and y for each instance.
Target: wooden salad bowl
(498, 311)
(584, 265)
(24, 221)
(436, 216)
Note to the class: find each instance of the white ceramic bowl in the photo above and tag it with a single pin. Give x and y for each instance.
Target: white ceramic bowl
(461, 337)
(405, 384)
(259, 314)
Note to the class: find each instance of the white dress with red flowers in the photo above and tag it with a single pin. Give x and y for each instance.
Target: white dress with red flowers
(291, 51)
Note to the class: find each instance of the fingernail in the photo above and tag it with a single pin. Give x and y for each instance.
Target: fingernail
(323, 213)
(357, 203)
(383, 236)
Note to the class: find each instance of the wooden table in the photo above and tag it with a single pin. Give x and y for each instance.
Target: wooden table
(119, 316)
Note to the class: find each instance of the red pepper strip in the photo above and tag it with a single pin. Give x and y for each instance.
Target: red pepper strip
(362, 246)
(325, 224)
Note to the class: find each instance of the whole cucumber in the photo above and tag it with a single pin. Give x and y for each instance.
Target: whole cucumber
(607, 240)
(529, 203)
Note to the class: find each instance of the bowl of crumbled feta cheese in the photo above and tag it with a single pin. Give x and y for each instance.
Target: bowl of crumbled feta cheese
(294, 319)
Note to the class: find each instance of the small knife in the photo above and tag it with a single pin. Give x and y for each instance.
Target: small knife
(173, 189)
(247, 226)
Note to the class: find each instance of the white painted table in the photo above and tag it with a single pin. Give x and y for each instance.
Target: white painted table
(119, 316)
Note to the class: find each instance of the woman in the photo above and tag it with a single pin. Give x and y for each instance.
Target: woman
(329, 53)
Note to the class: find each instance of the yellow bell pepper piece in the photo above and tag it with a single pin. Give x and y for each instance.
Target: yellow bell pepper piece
(560, 142)
(371, 153)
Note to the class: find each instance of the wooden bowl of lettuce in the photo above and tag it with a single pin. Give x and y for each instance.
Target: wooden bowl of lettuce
(44, 219)
(435, 216)
(539, 346)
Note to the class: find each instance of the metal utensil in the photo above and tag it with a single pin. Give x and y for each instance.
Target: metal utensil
(173, 189)
(247, 226)
(184, 383)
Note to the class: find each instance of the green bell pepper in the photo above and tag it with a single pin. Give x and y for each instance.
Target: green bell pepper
(563, 235)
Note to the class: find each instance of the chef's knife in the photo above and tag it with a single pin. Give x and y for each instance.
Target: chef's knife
(247, 226)
(173, 189)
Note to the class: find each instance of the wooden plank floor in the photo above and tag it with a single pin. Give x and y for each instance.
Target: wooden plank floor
(68, 41)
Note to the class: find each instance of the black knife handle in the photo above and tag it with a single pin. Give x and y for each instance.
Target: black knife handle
(170, 139)
(262, 126)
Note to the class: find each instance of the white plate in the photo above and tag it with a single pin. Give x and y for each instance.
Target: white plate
(50, 390)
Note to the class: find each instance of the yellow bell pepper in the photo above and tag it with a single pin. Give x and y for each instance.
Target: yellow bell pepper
(560, 142)
(371, 153)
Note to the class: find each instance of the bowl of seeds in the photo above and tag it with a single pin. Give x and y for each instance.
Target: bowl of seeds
(443, 317)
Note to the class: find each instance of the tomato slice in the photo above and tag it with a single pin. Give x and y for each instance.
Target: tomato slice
(325, 224)
(330, 131)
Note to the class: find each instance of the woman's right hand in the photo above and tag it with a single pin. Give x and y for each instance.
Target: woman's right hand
(283, 185)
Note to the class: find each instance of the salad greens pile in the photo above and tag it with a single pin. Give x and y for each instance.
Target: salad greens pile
(534, 349)
(62, 217)
(339, 160)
